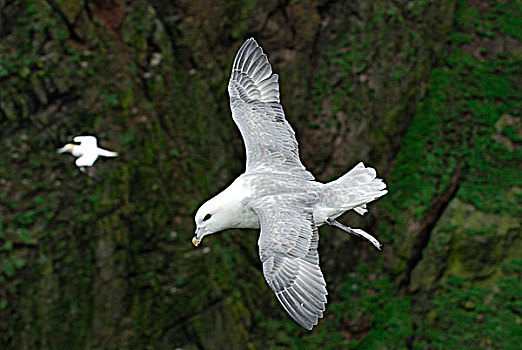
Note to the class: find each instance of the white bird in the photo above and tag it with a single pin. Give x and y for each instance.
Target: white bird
(277, 194)
(87, 151)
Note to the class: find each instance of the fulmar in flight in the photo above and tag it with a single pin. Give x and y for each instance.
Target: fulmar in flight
(87, 153)
(277, 194)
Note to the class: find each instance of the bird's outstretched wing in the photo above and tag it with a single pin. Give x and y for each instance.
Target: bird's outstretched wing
(288, 249)
(254, 100)
(87, 159)
(86, 140)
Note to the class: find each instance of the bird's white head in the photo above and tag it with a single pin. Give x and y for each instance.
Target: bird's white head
(67, 148)
(214, 216)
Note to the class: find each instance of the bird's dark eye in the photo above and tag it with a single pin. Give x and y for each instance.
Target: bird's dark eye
(208, 216)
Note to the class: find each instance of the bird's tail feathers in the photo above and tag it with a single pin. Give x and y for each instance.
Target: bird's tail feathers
(357, 187)
(106, 153)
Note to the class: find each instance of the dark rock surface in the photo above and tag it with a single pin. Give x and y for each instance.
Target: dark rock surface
(426, 92)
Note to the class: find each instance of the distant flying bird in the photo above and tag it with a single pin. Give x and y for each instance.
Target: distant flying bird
(87, 152)
(277, 194)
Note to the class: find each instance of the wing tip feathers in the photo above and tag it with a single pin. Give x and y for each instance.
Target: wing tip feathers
(253, 63)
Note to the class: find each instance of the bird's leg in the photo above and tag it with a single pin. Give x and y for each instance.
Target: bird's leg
(356, 232)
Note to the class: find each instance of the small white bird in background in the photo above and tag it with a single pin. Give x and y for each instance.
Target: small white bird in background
(87, 152)
(277, 194)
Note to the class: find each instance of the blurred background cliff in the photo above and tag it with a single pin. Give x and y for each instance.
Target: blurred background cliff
(428, 92)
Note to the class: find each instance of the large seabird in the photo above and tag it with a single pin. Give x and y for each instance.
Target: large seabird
(277, 194)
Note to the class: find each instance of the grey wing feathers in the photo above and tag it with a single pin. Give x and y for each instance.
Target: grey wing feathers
(288, 249)
(269, 139)
(252, 75)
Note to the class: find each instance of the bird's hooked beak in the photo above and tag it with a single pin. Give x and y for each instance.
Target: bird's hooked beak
(200, 232)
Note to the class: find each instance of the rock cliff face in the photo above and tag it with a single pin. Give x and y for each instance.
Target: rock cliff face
(427, 92)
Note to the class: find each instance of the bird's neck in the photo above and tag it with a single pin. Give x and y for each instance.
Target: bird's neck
(234, 201)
